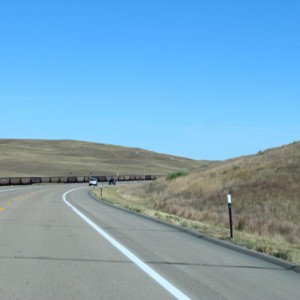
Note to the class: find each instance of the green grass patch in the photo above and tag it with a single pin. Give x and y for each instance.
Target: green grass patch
(282, 255)
(135, 209)
(176, 174)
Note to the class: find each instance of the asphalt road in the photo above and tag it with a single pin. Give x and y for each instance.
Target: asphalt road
(56, 242)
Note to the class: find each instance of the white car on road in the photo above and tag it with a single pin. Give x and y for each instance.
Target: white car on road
(93, 181)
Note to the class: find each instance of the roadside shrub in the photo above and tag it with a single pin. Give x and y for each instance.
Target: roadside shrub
(174, 175)
(137, 210)
(282, 255)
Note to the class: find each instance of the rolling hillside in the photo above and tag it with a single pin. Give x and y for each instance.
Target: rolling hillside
(60, 157)
(265, 189)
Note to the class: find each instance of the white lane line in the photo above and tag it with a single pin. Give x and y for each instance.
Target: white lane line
(158, 278)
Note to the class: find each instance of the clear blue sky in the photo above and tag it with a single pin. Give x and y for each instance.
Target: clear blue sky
(196, 78)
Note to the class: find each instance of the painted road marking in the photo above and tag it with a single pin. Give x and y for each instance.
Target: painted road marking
(138, 262)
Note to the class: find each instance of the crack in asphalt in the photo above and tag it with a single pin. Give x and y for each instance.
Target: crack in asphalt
(147, 262)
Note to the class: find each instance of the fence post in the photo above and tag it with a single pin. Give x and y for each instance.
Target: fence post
(230, 214)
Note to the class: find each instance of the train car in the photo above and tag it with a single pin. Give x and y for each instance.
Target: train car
(54, 179)
(72, 179)
(121, 178)
(35, 180)
(15, 180)
(4, 181)
(102, 178)
(45, 180)
(80, 179)
(25, 180)
(63, 179)
(132, 177)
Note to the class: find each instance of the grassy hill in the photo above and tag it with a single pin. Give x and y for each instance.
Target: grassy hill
(265, 191)
(60, 157)
(265, 187)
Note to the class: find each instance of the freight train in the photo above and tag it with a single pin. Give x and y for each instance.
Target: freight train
(70, 179)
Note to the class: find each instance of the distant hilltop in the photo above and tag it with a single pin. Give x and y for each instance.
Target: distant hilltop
(66, 157)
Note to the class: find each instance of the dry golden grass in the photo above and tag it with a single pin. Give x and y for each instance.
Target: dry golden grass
(59, 158)
(265, 190)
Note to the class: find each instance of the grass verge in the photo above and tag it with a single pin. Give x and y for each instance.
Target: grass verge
(273, 245)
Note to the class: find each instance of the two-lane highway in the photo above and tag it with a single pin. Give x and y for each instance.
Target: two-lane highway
(56, 242)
